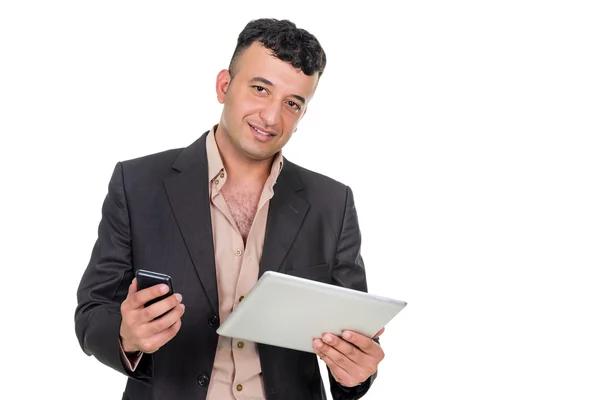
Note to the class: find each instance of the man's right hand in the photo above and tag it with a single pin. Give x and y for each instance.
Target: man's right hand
(139, 330)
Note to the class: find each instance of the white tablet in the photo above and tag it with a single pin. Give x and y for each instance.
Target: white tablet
(288, 311)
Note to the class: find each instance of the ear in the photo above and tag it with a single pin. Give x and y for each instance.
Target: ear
(223, 81)
(302, 116)
(304, 112)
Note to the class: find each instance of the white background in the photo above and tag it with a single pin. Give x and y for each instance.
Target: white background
(468, 131)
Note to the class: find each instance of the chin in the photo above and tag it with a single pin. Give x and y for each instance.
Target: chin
(257, 155)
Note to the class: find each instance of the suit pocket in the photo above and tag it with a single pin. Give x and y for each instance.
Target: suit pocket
(320, 272)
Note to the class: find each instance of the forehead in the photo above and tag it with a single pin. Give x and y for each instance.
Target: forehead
(258, 61)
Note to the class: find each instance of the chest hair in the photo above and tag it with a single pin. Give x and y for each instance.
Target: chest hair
(242, 202)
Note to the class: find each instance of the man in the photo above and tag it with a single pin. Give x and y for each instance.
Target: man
(215, 216)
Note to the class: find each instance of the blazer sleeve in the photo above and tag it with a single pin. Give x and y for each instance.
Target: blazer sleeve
(105, 283)
(349, 271)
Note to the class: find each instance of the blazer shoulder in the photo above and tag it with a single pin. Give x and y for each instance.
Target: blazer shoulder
(164, 157)
(156, 165)
(315, 182)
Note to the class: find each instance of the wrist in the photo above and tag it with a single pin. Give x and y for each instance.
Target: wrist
(127, 348)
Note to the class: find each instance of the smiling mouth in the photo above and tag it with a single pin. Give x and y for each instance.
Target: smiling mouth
(261, 132)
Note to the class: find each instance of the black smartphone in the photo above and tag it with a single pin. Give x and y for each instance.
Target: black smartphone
(146, 279)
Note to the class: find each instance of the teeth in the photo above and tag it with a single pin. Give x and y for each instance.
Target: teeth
(261, 132)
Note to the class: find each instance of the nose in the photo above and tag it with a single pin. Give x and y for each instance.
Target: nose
(271, 113)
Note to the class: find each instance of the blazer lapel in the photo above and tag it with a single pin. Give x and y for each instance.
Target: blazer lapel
(286, 214)
(187, 191)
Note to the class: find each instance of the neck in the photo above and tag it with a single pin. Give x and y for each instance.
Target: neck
(239, 167)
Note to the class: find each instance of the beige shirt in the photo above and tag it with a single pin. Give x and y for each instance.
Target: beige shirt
(236, 372)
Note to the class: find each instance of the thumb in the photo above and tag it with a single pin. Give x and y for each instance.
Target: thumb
(379, 333)
(132, 288)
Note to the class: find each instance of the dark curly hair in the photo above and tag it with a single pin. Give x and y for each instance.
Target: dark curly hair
(288, 43)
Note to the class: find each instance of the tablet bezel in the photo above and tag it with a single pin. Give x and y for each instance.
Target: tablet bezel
(289, 311)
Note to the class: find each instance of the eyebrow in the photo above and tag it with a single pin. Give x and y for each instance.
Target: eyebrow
(267, 82)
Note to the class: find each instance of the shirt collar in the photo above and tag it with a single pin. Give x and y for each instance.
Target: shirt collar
(216, 169)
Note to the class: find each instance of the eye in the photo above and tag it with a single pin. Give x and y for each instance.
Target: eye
(294, 105)
(260, 89)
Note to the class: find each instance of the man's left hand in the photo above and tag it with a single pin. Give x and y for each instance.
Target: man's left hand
(352, 359)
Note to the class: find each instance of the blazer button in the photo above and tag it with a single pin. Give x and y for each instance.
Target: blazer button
(214, 321)
(203, 380)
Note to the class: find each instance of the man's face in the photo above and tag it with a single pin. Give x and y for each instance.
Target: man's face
(263, 103)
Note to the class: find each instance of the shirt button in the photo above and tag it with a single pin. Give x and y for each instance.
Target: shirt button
(241, 298)
(238, 252)
(216, 181)
(240, 345)
(222, 175)
(239, 388)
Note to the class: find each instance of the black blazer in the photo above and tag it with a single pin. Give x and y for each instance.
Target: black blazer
(156, 216)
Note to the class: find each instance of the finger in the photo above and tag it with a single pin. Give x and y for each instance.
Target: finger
(163, 323)
(351, 373)
(346, 348)
(159, 308)
(339, 374)
(338, 358)
(366, 344)
(143, 296)
(161, 338)
(379, 333)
